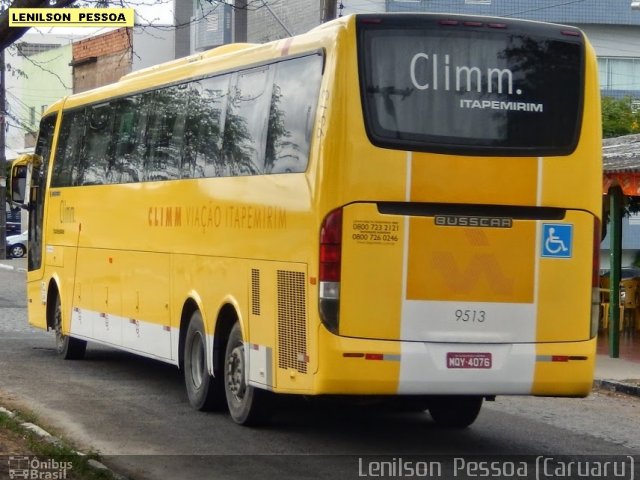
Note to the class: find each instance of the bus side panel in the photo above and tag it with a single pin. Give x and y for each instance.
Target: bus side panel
(36, 300)
(564, 287)
(371, 278)
(122, 299)
(280, 334)
(145, 283)
(564, 369)
(271, 301)
(98, 280)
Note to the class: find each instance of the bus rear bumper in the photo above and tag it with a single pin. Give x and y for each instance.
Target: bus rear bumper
(377, 367)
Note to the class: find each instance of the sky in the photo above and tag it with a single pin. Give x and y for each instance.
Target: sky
(145, 14)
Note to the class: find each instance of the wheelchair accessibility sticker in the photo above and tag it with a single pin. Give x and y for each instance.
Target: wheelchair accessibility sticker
(557, 240)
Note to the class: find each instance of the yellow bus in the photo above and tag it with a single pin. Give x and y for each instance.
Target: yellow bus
(394, 206)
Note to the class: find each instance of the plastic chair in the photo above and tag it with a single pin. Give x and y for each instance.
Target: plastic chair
(629, 318)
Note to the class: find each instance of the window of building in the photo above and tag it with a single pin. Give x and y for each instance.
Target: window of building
(621, 74)
(26, 49)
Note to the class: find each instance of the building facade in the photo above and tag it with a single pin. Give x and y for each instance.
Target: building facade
(34, 78)
(101, 60)
(104, 58)
(612, 26)
(47, 79)
(204, 25)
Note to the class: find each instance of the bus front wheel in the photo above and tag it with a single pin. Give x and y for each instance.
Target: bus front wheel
(455, 411)
(67, 347)
(203, 390)
(247, 405)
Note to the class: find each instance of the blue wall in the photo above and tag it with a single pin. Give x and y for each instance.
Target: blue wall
(630, 236)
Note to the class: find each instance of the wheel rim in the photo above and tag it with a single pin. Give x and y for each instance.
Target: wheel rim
(197, 360)
(235, 373)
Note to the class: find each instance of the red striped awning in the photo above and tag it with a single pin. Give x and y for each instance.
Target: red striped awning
(628, 181)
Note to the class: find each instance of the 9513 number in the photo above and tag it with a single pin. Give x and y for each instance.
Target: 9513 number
(478, 316)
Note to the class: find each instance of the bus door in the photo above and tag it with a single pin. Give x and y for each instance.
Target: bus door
(29, 181)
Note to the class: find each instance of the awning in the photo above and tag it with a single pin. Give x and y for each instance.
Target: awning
(629, 182)
(621, 164)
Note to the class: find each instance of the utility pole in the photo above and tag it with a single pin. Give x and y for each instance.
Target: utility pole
(3, 161)
(327, 10)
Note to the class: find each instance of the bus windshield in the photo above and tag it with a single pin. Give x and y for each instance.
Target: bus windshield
(470, 87)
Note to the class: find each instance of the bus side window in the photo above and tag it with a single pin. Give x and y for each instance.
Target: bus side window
(293, 105)
(165, 133)
(67, 167)
(205, 122)
(129, 132)
(45, 138)
(97, 145)
(245, 133)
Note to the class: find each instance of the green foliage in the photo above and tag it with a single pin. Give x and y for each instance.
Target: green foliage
(54, 450)
(618, 117)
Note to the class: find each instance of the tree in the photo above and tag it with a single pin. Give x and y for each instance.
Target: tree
(9, 35)
(618, 118)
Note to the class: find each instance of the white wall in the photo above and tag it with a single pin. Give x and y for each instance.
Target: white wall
(614, 40)
(152, 45)
(362, 6)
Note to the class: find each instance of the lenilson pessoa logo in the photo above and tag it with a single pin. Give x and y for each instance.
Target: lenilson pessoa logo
(71, 17)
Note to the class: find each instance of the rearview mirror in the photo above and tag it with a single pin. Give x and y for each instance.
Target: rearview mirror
(18, 183)
(20, 177)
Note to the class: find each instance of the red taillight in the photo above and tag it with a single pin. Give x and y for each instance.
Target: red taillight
(331, 247)
(329, 274)
(374, 356)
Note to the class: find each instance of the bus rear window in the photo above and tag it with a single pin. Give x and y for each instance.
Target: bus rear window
(445, 87)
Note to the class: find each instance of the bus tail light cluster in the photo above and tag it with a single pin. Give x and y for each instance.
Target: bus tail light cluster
(595, 279)
(330, 265)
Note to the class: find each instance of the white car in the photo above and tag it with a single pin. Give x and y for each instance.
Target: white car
(17, 245)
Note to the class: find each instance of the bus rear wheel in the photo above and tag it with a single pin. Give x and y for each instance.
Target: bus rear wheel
(67, 347)
(204, 391)
(455, 411)
(247, 405)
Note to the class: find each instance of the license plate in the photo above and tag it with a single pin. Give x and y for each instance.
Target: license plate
(468, 360)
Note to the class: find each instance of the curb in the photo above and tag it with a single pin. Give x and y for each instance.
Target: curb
(616, 386)
(47, 437)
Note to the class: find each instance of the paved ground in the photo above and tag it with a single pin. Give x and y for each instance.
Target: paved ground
(608, 370)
